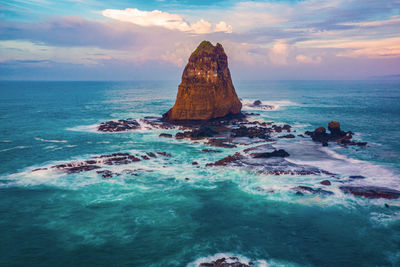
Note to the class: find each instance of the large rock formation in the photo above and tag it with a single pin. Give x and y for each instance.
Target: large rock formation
(206, 91)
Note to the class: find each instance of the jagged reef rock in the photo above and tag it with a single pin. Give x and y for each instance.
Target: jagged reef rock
(336, 135)
(206, 91)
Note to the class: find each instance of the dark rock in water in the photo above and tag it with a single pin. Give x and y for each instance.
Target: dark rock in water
(307, 189)
(166, 135)
(112, 159)
(203, 131)
(371, 191)
(268, 166)
(119, 159)
(195, 163)
(226, 262)
(334, 128)
(356, 177)
(224, 143)
(106, 173)
(287, 127)
(257, 103)
(335, 135)
(118, 126)
(319, 135)
(251, 132)
(196, 134)
(287, 136)
(226, 161)
(39, 169)
(157, 123)
(151, 154)
(83, 168)
(326, 182)
(211, 151)
(206, 91)
(277, 153)
(165, 154)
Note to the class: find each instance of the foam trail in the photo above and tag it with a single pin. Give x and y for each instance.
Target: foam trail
(51, 141)
(308, 153)
(85, 128)
(12, 148)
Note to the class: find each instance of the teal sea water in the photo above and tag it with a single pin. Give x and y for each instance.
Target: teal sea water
(159, 218)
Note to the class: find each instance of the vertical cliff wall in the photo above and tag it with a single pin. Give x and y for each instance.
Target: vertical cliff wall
(206, 90)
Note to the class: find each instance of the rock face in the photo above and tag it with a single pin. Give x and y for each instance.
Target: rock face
(206, 91)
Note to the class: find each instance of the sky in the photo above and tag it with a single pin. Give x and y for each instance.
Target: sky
(153, 39)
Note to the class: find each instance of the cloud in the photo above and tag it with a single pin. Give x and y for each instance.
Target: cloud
(383, 48)
(308, 60)
(271, 37)
(166, 20)
(279, 53)
(223, 27)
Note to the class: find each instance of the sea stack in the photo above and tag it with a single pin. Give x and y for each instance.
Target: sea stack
(206, 91)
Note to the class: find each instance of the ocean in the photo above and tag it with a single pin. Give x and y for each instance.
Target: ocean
(172, 213)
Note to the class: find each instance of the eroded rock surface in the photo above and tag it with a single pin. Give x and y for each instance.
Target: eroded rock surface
(206, 90)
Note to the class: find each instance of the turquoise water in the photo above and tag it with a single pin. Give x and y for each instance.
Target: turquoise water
(158, 218)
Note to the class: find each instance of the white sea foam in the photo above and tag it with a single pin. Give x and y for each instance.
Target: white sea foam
(13, 148)
(85, 128)
(326, 158)
(51, 141)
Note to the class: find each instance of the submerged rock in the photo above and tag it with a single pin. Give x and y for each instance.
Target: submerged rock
(356, 177)
(257, 103)
(211, 151)
(300, 190)
(276, 153)
(166, 135)
(267, 164)
(325, 182)
(371, 191)
(206, 91)
(224, 143)
(289, 136)
(251, 132)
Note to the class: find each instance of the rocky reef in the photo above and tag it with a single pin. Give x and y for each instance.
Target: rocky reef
(118, 126)
(206, 91)
(226, 262)
(335, 135)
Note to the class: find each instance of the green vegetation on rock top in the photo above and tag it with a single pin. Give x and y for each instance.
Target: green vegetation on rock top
(205, 47)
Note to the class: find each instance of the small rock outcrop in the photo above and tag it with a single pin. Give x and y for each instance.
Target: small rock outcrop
(118, 126)
(335, 135)
(206, 91)
(371, 191)
(226, 262)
